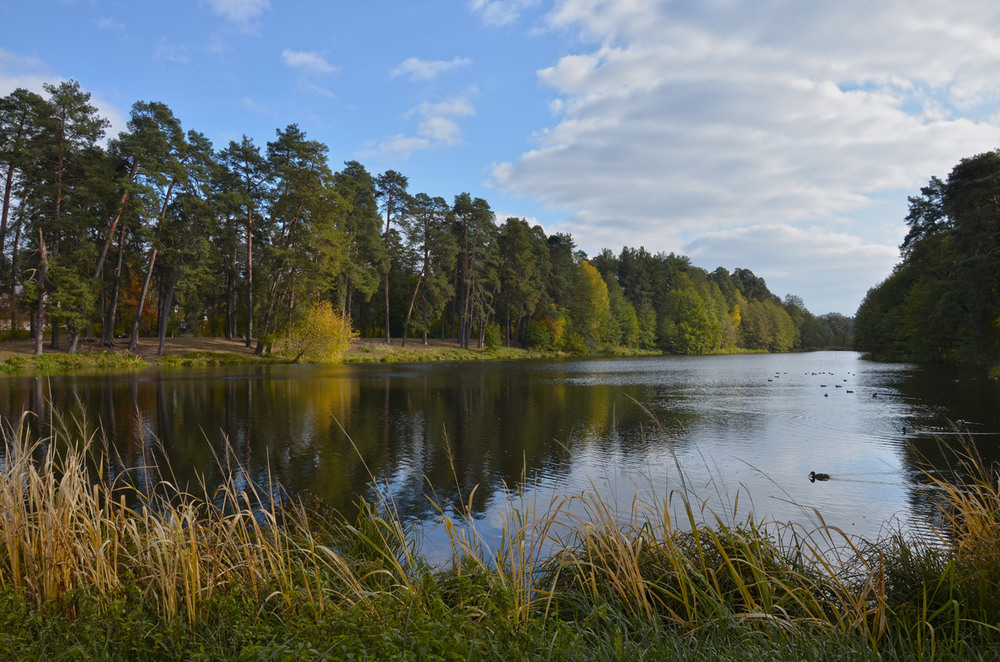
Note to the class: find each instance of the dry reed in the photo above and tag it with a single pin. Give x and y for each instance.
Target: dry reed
(669, 562)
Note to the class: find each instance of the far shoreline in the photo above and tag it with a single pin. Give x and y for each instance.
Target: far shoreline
(18, 357)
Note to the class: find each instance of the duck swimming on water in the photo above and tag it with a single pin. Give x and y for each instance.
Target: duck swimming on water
(813, 476)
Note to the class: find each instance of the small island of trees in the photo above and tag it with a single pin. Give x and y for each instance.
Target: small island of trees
(158, 232)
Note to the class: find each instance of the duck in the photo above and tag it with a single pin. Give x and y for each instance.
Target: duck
(813, 476)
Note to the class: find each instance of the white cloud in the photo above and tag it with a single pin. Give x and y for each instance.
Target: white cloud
(441, 130)
(437, 126)
(417, 69)
(307, 61)
(33, 74)
(826, 268)
(255, 106)
(401, 145)
(21, 71)
(500, 12)
(242, 13)
(107, 23)
(176, 53)
(318, 90)
(454, 107)
(694, 117)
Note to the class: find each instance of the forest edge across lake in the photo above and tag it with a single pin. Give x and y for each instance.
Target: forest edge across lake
(16, 356)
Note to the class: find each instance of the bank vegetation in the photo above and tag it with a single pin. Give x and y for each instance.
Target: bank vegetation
(942, 301)
(156, 233)
(102, 561)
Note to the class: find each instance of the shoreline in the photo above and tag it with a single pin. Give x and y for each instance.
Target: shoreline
(17, 356)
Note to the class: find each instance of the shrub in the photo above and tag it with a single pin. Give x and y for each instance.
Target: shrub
(322, 337)
(492, 337)
(537, 335)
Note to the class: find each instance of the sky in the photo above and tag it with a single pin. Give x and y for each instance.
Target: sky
(778, 136)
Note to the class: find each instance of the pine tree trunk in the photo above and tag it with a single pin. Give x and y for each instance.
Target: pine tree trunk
(133, 342)
(13, 263)
(114, 223)
(54, 334)
(231, 301)
(108, 335)
(249, 338)
(168, 301)
(40, 314)
(267, 324)
(409, 313)
(388, 338)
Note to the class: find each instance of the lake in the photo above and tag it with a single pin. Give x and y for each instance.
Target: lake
(737, 432)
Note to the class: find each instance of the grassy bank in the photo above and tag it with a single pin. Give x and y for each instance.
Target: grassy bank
(379, 352)
(371, 350)
(16, 357)
(54, 364)
(131, 567)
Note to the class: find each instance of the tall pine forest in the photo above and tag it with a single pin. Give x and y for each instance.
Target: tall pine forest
(116, 241)
(942, 301)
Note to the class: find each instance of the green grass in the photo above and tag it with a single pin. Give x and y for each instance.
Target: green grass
(51, 364)
(205, 359)
(378, 353)
(146, 570)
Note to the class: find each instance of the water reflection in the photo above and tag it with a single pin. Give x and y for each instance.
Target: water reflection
(735, 429)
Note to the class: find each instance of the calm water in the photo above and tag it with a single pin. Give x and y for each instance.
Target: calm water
(749, 426)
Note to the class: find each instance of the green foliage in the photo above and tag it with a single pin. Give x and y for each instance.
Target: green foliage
(73, 294)
(942, 302)
(492, 338)
(523, 269)
(476, 265)
(589, 310)
(15, 334)
(160, 229)
(622, 326)
(537, 335)
(647, 327)
(688, 325)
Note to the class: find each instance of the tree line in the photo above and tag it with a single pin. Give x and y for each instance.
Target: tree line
(942, 301)
(158, 232)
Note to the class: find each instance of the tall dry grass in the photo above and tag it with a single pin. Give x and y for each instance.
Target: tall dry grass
(667, 562)
(706, 570)
(65, 527)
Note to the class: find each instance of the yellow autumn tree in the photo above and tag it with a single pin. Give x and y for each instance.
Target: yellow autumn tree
(323, 336)
(590, 307)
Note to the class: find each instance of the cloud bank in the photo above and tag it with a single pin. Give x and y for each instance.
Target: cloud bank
(699, 124)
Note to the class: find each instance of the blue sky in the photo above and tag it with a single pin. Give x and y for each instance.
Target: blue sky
(779, 136)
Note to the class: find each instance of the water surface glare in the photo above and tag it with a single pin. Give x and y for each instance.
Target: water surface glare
(744, 428)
